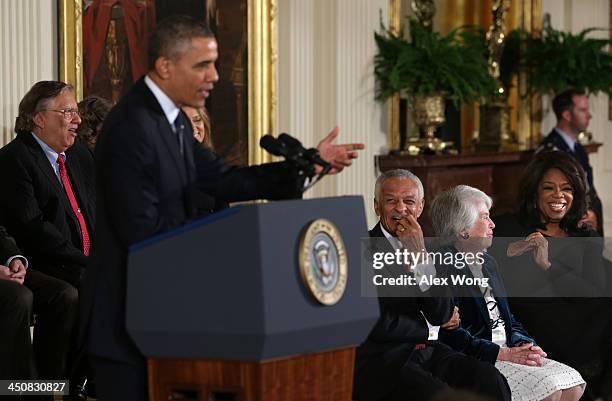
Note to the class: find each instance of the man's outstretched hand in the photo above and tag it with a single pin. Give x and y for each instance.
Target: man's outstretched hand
(339, 156)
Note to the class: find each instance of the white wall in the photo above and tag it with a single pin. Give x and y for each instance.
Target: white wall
(576, 15)
(28, 45)
(325, 69)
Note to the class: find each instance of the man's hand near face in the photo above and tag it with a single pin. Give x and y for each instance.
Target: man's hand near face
(409, 232)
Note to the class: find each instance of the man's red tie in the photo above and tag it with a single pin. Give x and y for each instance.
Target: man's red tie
(73, 203)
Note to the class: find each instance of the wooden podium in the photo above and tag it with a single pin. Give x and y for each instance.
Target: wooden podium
(321, 376)
(221, 310)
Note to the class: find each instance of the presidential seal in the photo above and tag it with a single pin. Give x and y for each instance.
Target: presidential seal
(322, 260)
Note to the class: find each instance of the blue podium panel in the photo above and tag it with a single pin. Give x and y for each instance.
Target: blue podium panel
(229, 286)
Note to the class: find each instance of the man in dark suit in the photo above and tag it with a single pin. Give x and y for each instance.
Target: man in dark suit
(48, 183)
(572, 111)
(400, 359)
(148, 169)
(55, 303)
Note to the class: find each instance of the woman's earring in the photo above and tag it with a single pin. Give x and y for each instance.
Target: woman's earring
(464, 235)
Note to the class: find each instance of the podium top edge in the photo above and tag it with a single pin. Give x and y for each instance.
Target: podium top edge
(218, 216)
(185, 228)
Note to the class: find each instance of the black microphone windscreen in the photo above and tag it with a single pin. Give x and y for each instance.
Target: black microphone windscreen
(290, 141)
(269, 143)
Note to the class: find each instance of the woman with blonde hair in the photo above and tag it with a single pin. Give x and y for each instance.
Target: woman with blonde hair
(201, 125)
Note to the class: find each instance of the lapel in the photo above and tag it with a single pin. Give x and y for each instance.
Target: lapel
(163, 127)
(557, 140)
(494, 279)
(472, 292)
(381, 240)
(45, 167)
(478, 297)
(580, 151)
(498, 289)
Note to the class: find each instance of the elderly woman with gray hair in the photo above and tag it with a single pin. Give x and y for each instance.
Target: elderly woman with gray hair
(488, 329)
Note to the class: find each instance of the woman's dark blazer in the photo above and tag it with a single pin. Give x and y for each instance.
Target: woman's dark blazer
(473, 336)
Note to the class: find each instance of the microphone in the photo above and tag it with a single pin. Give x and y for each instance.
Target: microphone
(279, 148)
(290, 141)
(311, 154)
(272, 145)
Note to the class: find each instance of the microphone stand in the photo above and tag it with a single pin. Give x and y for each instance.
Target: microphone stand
(326, 168)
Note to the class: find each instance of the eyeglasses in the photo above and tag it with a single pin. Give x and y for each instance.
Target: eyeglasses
(68, 114)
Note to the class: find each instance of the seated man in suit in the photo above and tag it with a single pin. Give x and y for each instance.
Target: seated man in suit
(48, 183)
(55, 303)
(397, 361)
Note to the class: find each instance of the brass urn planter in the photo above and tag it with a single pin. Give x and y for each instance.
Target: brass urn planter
(428, 114)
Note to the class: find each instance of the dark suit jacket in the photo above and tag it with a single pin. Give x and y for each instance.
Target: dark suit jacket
(399, 328)
(34, 207)
(473, 337)
(554, 141)
(145, 187)
(8, 247)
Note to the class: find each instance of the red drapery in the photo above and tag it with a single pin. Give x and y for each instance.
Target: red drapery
(139, 20)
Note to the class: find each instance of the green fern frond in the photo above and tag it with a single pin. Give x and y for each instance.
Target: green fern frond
(455, 64)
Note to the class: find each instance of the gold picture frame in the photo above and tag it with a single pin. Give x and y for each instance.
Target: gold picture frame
(527, 112)
(261, 54)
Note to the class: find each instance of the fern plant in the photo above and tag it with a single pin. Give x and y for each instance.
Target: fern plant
(557, 60)
(429, 63)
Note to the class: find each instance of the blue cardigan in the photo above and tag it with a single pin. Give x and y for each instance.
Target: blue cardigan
(473, 336)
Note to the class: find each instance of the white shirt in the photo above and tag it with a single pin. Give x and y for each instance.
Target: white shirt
(170, 109)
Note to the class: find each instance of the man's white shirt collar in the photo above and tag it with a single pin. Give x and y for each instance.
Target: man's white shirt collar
(395, 243)
(170, 109)
(571, 142)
